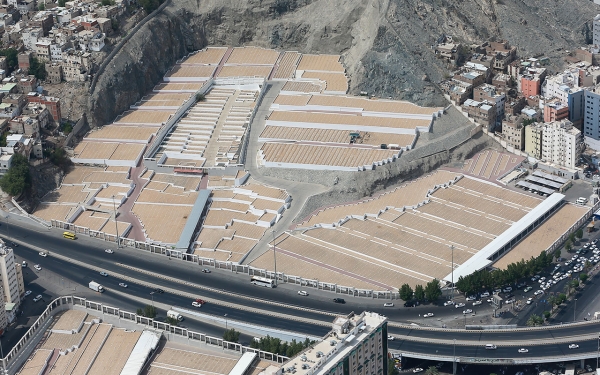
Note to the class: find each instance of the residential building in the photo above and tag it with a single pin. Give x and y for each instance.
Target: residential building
(6, 157)
(596, 30)
(357, 345)
(576, 103)
(489, 93)
(458, 91)
(555, 110)
(39, 112)
(531, 81)
(27, 84)
(561, 143)
(8, 274)
(24, 61)
(514, 106)
(51, 103)
(558, 86)
(533, 139)
(513, 132)
(75, 65)
(502, 82)
(42, 50)
(31, 36)
(43, 20)
(55, 73)
(24, 125)
(471, 77)
(502, 54)
(483, 113)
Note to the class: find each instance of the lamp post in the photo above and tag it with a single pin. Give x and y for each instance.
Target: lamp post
(575, 308)
(452, 286)
(116, 224)
(275, 257)
(225, 321)
(152, 294)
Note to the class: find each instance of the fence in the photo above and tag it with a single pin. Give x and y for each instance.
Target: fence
(121, 318)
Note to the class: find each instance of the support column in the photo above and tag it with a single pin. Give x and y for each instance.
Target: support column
(582, 363)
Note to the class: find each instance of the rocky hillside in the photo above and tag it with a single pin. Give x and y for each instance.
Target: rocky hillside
(386, 44)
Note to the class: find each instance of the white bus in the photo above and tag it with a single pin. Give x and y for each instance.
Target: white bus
(262, 281)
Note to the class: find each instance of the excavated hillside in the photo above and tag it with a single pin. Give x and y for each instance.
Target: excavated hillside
(386, 44)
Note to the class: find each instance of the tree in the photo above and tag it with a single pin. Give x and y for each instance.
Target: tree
(274, 345)
(17, 179)
(36, 68)
(583, 277)
(579, 233)
(172, 321)
(392, 370)
(231, 335)
(557, 254)
(546, 315)
(572, 237)
(61, 3)
(59, 157)
(149, 311)
(419, 293)
(150, 5)
(569, 245)
(42, 7)
(432, 370)
(12, 59)
(433, 291)
(406, 292)
(535, 320)
(108, 2)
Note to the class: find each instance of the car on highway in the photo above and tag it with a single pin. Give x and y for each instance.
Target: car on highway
(428, 315)
(302, 293)
(102, 273)
(390, 338)
(157, 290)
(339, 300)
(123, 285)
(459, 305)
(205, 270)
(37, 298)
(198, 303)
(448, 303)
(418, 369)
(14, 244)
(523, 350)
(573, 346)
(388, 304)
(467, 311)
(477, 303)
(27, 293)
(37, 267)
(109, 251)
(409, 304)
(43, 254)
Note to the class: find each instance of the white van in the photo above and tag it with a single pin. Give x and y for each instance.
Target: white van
(581, 200)
(490, 346)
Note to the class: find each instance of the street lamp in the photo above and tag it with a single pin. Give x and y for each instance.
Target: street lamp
(225, 321)
(275, 257)
(575, 308)
(152, 294)
(452, 286)
(116, 224)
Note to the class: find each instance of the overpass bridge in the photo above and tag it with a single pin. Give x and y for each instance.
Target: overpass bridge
(548, 344)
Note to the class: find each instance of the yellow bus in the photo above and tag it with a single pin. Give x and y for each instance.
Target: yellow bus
(69, 235)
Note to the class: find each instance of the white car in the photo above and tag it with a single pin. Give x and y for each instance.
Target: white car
(37, 298)
(418, 369)
(390, 338)
(477, 303)
(37, 267)
(485, 294)
(196, 304)
(467, 311)
(206, 270)
(530, 301)
(303, 293)
(102, 273)
(471, 298)
(43, 253)
(448, 303)
(458, 305)
(123, 285)
(538, 292)
(27, 293)
(388, 304)
(508, 289)
(523, 350)
(428, 315)
(527, 289)
(510, 300)
(109, 251)
(573, 346)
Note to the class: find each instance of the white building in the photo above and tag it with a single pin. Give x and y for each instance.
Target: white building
(561, 143)
(560, 85)
(596, 30)
(31, 36)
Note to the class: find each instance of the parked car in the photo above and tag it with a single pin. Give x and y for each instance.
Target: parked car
(529, 301)
(527, 289)
(205, 270)
(448, 303)
(428, 315)
(102, 273)
(37, 267)
(573, 346)
(388, 304)
(303, 292)
(418, 369)
(467, 311)
(477, 303)
(390, 338)
(409, 304)
(27, 293)
(485, 294)
(157, 290)
(37, 298)
(471, 298)
(339, 300)
(459, 305)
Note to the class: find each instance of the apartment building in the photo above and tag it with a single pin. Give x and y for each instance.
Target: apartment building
(489, 93)
(596, 30)
(561, 143)
(531, 81)
(10, 282)
(357, 345)
(533, 139)
(483, 113)
(513, 132)
(555, 110)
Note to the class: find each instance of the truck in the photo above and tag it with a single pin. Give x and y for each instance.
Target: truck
(96, 287)
(174, 315)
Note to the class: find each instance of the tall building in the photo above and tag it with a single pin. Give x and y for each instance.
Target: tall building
(8, 273)
(357, 345)
(489, 93)
(533, 140)
(591, 118)
(596, 30)
(555, 110)
(561, 143)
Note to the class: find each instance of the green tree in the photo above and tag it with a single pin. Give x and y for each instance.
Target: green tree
(535, 320)
(140, 312)
(62, 3)
(406, 292)
(562, 298)
(149, 311)
(108, 2)
(42, 7)
(419, 293)
(546, 315)
(150, 5)
(392, 370)
(3, 139)
(36, 68)
(557, 254)
(583, 277)
(172, 321)
(433, 290)
(432, 370)
(231, 335)
(275, 345)
(12, 59)
(579, 233)
(59, 157)
(572, 237)
(17, 179)
(569, 245)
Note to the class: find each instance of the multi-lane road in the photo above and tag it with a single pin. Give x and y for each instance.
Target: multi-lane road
(550, 342)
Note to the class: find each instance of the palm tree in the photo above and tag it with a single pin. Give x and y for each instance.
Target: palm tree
(432, 370)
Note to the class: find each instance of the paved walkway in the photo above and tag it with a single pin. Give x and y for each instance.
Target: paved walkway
(299, 191)
(125, 213)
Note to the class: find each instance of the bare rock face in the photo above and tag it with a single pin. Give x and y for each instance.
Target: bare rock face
(386, 44)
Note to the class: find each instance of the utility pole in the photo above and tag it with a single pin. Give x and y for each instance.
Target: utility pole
(452, 286)
(275, 257)
(116, 224)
